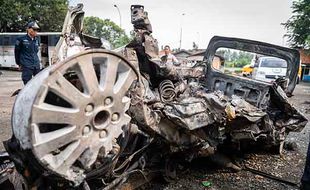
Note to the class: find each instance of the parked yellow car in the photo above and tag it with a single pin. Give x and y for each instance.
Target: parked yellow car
(247, 70)
(299, 74)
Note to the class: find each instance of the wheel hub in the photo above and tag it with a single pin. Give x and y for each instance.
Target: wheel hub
(101, 119)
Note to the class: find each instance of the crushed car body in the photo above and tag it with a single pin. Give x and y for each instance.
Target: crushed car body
(97, 116)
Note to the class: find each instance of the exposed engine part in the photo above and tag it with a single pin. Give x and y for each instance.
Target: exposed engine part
(167, 91)
(139, 18)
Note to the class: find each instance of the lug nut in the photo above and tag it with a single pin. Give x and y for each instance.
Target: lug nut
(115, 116)
(102, 134)
(89, 108)
(108, 101)
(86, 130)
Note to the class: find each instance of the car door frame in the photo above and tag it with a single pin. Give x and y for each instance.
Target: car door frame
(231, 84)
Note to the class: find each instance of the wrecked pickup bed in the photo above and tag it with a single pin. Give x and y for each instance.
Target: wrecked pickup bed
(96, 116)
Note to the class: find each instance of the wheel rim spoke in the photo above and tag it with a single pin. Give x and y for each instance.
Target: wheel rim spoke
(48, 142)
(111, 73)
(88, 159)
(124, 82)
(61, 161)
(63, 88)
(71, 155)
(88, 75)
(46, 113)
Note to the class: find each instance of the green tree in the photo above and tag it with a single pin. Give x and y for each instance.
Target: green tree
(106, 29)
(235, 58)
(298, 26)
(15, 14)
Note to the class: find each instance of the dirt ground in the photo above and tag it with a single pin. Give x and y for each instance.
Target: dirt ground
(289, 167)
(9, 82)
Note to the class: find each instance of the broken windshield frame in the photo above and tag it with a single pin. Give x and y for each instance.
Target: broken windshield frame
(291, 56)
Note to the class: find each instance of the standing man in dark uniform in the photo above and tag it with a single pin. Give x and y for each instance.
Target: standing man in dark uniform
(26, 52)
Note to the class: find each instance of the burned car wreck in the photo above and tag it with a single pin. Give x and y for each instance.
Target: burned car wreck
(97, 116)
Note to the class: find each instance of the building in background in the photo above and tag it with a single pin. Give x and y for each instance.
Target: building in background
(196, 57)
(181, 56)
(305, 65)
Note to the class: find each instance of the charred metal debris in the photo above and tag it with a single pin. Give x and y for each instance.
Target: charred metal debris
(96, 117)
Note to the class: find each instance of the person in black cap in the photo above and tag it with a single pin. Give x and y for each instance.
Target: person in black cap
(26, 52)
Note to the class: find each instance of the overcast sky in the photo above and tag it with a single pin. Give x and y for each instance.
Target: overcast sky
(258, 20)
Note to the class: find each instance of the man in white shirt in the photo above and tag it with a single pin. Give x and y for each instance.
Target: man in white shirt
(169, 58)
